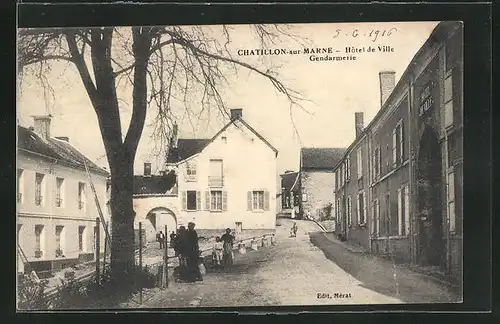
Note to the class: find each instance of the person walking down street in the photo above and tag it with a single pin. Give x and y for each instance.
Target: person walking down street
(295, 228)
(173, 236)
(192, 253)
(179, 249)
(161, 238)
(228, 241)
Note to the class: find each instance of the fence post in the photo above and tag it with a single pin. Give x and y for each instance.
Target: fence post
(97, 250)
(140, 258)
(165, 261)
(105, 250)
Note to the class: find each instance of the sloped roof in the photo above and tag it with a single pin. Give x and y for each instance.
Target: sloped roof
(288, 179)
(186, 148)
(321, 158)
(60, 150)
(154, 184)
(189, 147)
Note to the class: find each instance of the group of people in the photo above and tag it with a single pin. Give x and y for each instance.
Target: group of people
(222, 254)
(185, 245)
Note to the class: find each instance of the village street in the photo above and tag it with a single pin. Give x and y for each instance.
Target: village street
(293, 273)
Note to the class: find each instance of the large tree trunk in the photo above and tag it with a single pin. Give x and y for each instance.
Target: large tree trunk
(122, 221)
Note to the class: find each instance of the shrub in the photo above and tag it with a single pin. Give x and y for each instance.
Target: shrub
(31, 294)
(326, 212)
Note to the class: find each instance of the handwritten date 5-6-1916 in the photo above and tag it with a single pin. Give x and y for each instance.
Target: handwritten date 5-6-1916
(373, 34)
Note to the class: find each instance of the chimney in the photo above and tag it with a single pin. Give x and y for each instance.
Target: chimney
(42, 126)
(359, 124)
(236, 113)
(387, 84)
(175, 136)
(147, 169)
(63, 138)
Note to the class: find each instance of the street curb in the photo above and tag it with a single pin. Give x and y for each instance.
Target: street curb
(454, 287)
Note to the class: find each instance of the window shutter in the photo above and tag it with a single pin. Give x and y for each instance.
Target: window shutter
(358, 211)
(407, 210)
(249, 200)
(394, 145)
(207, 200)
(266, 200)
(372, 219)
(224, 200)
(364, 208)
(198, 200)
(400, 214)
(402, 142)
(184, 200)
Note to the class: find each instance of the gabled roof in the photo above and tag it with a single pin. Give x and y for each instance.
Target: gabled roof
(60, 150)
(154, 184)
(288, 180)
(321, 158)
(189, 147)
(186, 148)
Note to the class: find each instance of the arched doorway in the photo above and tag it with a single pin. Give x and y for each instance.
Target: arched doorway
(429, 198)
(158, 218)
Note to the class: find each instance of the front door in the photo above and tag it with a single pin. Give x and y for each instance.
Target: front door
(431, 245)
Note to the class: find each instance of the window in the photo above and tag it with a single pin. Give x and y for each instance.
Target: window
(258, 200)
(216, 200)
(376, 218)
(81, 195)
(403, 211)
(342, 174)
(349, 211)
(347, 169)
(20, 185)
(337, 179)
(215, 178)
(448, 101)
(39, 240)
(361, 208)
(59, 192)
(359, 163)
(397, 144)
(451, 200)
(39, 186)
(191, 200)
(59, 240)
(82, 244)
(338, 210)
(191, 171)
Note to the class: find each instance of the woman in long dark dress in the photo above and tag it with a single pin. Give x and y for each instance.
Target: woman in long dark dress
(180, 251)
(192, 253)
(228, 240)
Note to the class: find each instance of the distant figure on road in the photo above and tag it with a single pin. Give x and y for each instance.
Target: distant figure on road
(192, 253)
(293, 231)
(173, 236)
(160, 237)
(228, 241)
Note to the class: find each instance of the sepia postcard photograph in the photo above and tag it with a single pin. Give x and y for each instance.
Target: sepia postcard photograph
(205, 166)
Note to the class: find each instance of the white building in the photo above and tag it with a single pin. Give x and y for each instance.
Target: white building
(56, 211)
(227, 181)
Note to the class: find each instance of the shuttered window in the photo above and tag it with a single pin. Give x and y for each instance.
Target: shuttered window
(216, 200)
(349, 211)
(258, 200)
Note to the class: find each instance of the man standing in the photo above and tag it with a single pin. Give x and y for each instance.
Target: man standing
(161, 239)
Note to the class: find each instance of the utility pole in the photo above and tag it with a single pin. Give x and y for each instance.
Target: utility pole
(165, 261)
(97, 251)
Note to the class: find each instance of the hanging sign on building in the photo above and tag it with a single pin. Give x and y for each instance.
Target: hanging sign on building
(426, 100)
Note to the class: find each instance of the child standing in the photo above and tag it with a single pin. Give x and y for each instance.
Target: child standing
(217, 252)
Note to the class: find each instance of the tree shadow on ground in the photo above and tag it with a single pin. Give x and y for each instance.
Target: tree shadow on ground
(380, 275)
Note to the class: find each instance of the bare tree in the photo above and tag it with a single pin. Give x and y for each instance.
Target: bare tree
(163, 65)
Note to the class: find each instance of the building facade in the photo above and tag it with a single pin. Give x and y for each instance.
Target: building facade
(228, 181)
(56, 211)
(413, 163)
(317, 182)
(290, 194)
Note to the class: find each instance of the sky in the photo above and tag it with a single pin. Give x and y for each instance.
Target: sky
(334, 91)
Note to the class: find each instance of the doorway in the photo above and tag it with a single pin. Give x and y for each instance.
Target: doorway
(431, 244)
(239, 227)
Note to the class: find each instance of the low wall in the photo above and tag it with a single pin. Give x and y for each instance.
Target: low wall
(209, 234)
(394, 247)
